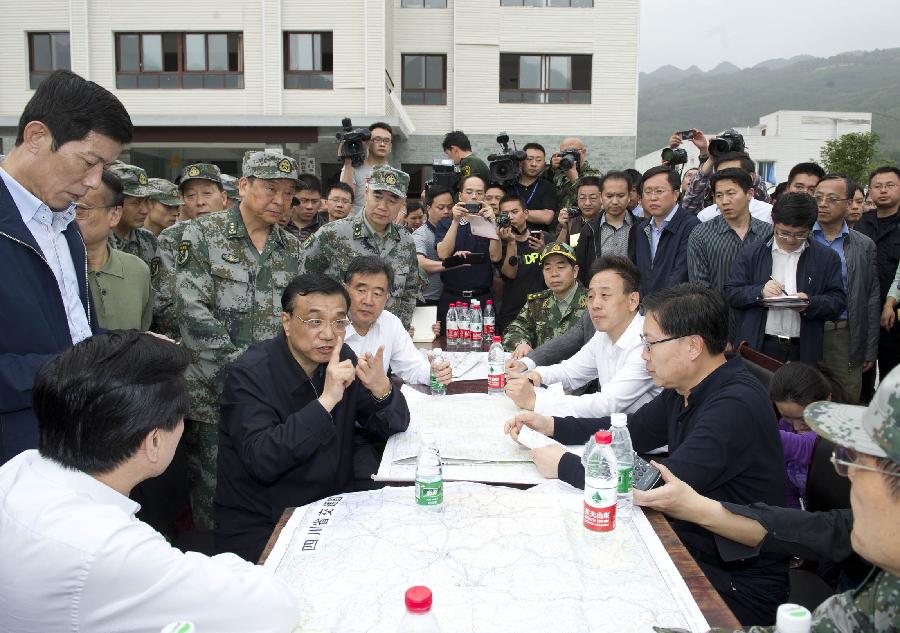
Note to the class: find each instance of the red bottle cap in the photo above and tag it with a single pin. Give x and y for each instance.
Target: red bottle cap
(496, 339)
(490, 302)
(603, 437)
(418, 599)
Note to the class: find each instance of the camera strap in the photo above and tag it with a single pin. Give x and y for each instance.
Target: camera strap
(537, 183)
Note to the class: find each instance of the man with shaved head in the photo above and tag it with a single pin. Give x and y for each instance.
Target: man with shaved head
(566, 179)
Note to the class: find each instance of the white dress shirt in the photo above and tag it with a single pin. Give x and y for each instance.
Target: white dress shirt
(625, 385)
(47, 227)
(784, 322)
(758, 209)
(73, 557)
(400, 353)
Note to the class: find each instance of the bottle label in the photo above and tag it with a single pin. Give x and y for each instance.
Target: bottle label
(464, 333)
(489, 329)
(626, 480)
(476, 332)
(496, 380)
(429, 493)
(599, 508)
(454, 333)
(435, 384)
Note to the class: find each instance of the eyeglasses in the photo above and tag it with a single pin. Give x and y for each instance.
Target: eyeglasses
(800, 237)
(339, 200)
(845, 458)
(884, 187)
(317, 325)
(648, 345)
(656, 193)
(382, 140)
(828, 199)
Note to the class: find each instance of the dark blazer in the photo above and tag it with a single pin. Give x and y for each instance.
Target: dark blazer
(33, 323)
(669, 267)
(278, 447)
(818, 275)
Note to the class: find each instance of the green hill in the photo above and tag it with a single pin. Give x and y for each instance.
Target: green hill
(854, 82)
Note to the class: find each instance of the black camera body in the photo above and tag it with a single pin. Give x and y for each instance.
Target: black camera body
(444, 174)
(727, 141)
(505, 167)
(503, 221)
(574, 212)
(569, 158)
(675, 157)
(686, 135)
(354, 142)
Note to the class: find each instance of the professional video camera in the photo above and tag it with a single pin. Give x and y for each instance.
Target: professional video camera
(727, 141)
(444, 173)
(354, 142)
(569, 158)
(675, 157)
(506, 168)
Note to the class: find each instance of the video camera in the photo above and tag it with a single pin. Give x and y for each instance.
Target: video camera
(675, 157)
(569, 158)
(727, 141)
(444, 174)
(505, 167)
(354, 142)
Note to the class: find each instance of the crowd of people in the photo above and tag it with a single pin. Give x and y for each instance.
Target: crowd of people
(204, 353)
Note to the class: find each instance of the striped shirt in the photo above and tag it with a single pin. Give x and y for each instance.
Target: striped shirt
(713, 246)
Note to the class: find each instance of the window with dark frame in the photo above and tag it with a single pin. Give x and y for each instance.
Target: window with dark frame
(530, 78)
(179, 60)
(423, 4)
(424, 79)
(47, 52)
(547, 3)
(309, 61)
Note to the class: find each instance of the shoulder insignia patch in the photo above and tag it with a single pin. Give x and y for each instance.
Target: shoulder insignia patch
(466, 171)
(232, 229)
(154, 267)
(231, 259)
(546, 303)
(184, 252)
(307, 242)
(357, 230)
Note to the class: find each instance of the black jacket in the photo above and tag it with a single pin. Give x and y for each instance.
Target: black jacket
(278, 447)
(886, 235)
(669, 267)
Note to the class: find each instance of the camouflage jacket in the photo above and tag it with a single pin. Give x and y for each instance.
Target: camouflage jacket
(162, 278)
(566, 190)
(140, 242)
(331, 249)
(542, 319)
(227, 297)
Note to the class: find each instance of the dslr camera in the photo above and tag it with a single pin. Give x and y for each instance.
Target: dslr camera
(354, 142)
(574, 212)
(505, 167)
(503, 221)
(727, 141)
(569, 158)
(675, 157)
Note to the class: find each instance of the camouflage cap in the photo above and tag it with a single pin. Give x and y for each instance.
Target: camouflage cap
(134, 179)
(165, 192)
(873, 430)
(269, 165)
(230, 185)
(387, 178)
(558, 248)
(200, 171)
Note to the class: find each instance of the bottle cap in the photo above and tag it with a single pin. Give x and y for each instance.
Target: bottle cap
(496, 339)
(418, 599)
(490, 302)
(603, 437)
(436, 350)
(793, 618)
(619, 420)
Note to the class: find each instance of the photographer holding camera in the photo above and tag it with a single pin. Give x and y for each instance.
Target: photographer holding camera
(358, 168)
(568, 165)
(572, 219)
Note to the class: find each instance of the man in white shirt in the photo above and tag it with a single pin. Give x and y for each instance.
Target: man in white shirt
(368, 280)
(612, 357)
(73, 557)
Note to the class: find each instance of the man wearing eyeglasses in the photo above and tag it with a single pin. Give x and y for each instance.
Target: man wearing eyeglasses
(868, 453)
(305, 215)
(793, 266)
(338, 202)
(129, 235)
(379, 151)
(851, 340)
(290, 409)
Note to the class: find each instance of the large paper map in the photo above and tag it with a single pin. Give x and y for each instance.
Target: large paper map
(496, 559)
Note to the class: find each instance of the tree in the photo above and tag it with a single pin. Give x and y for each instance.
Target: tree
(851, 155)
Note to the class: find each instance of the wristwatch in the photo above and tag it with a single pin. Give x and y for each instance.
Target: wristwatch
(384, 397)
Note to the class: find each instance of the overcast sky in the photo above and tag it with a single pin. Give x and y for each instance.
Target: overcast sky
(706, 32)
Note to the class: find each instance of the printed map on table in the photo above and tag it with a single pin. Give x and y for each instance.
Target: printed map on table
(496, 559)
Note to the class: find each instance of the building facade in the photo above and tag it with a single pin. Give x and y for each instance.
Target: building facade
(206, 82)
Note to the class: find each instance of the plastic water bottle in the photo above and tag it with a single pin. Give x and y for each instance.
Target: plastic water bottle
(429, 475)
(496, 368)
(489, 322)
(621, 445)
(452, 329)
(418, 618)
(437, 388)
(179, 627)
(475, 320)
(462, 318)
(793, 618)
(601, 479)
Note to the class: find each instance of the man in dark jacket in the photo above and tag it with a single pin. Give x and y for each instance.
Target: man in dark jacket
(660, 250)
(789, 264)
(289, 414)
(69, 131)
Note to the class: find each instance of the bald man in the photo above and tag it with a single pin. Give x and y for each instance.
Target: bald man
(565, 180)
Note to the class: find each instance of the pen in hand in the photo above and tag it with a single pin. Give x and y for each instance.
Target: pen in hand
(783, 291)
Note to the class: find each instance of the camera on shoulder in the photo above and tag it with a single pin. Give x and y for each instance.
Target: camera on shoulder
(505, 167)
(354, 142)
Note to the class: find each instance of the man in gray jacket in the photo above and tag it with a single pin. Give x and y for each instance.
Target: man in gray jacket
(851, 341)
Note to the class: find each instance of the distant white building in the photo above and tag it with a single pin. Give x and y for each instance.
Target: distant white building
(783, 139)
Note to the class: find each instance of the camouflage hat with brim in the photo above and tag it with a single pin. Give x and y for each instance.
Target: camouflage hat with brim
(230, 185)
(387, 178)
(200, 171)
(165, 192)
(134, 180)
(873, 430)
(558, 248)
(269, 166)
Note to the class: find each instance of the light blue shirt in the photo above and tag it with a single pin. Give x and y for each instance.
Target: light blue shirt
(47, 227)
(656, 233)
(837, 245)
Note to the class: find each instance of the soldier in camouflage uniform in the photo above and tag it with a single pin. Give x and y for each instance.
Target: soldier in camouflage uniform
(166, 204)
(550, 312)
(129, 236)
(867, 450)
(331, 249)
(231, 270)
(162, 267)
(229, 183)
(567, 181)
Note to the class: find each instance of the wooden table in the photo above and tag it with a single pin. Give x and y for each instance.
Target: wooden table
(712, 606)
